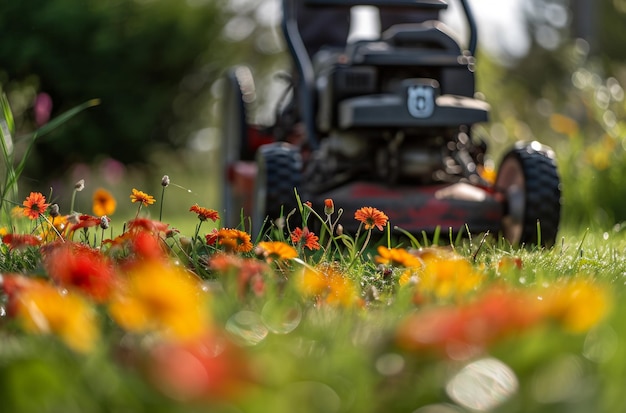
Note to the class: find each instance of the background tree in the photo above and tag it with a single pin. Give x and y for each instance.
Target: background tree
(152, 64)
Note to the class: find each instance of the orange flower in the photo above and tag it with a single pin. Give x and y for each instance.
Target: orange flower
(34, 205)
(371, 217)
(205, 213)
(139, 196)
(103, 203)
(306, 237)
(234, 240)
(276, 251)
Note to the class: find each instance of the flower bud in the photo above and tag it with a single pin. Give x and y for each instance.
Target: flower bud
(329, 206)
(80, 185)
(54, 210)
(339, 230)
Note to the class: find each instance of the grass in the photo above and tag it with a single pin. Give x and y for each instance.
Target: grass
(277, 325)
(128, 315)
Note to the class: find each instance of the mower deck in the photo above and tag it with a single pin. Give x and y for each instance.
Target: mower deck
(421, 208)
(411, 208)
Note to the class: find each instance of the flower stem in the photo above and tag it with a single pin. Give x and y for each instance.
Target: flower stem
(53, 227)
(161, 206)
(73, 200)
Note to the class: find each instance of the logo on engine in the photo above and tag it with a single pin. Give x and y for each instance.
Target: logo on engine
(421, 101)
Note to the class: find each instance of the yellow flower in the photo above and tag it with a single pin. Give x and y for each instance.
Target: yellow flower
(42, 309)
(328, 285)
(17, 211)
(400, 258)
(139, 196)
(397, 257)
(276, 251)
(578, 305)
(447, 275)
(163, 299)
(563, 124)
(103, 203)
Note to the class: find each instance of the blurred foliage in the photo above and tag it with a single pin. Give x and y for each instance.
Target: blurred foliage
(152, 63)
(568, 92)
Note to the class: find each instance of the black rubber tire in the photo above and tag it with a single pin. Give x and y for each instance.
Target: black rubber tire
(279, 174)
(529, 179)
(238, 87)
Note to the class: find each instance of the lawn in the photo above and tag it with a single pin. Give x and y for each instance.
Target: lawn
(156, 320)
(148, 304)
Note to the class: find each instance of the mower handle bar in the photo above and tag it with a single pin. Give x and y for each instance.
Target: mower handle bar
(417, 4)
(424, 4)
(303, 61)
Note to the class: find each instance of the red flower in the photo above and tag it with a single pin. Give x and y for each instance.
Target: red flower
(147, 245)
(209, 368)
(306, 237)
(371, 217)
(88, 221)
(20, 240)
(212, 237)
(249, 272)
(144, 224)
(469, 328)
(34, 205)
(79, 266)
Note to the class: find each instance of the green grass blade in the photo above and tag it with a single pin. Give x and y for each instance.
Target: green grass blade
(7, 128)
(7, 114)
(62, 118)
(32, 137)
(414, 242)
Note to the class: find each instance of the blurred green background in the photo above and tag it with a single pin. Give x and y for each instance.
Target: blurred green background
(156, 65)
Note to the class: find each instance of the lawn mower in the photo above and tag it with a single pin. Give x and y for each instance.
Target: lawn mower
(386, 123)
